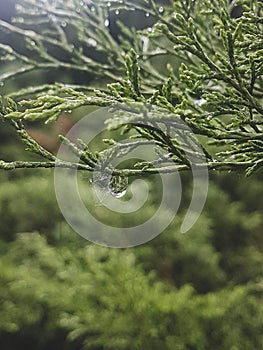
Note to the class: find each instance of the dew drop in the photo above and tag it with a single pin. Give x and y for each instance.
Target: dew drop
(106, 22)
(92, 42)
(63, 24)
(200, 102)
(161, 9)
(117, 12)
(109, 4)
(147, 14)
(118, 186)
(21, 20)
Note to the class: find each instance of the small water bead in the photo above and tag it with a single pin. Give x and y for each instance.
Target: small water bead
(117, 12)
(161, 9)
(106, 22)
(63, 24)
(92, 42)
(147, 14)
(115, 185)
(109, 4)
(118, 186)
(200, 102)
(20, 20)
(118, 194)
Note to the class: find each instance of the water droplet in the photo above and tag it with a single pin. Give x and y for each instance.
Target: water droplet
(118, 186)
(200, 102)
(108, 3)
(147, 14)
(161, 9)
(2, 83)
(88, 98)
(117, 12)
(32, 43)
(106, 22)
(149, 29)
(63, 24)
(92, 42)
(21, 19)
(92, 9)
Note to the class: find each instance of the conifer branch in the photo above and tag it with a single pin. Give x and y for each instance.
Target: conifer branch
(217, 90)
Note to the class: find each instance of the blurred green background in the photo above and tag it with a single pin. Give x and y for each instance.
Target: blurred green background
(198, 291)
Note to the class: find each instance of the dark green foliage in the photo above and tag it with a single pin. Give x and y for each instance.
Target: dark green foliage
(194, 291)
(102, 298)
(22, 210)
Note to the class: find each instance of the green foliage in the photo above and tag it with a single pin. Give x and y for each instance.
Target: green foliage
(100, 297)
(217, 90)
(22, 210)
(198, 64)
(200, 290)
